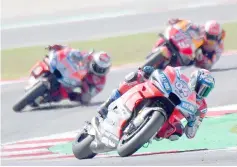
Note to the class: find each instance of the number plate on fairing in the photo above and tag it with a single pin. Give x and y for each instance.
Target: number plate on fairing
(182, 89)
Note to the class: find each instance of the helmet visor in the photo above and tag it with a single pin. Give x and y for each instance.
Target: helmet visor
(98, 69)
(212, 37)
(204, 90)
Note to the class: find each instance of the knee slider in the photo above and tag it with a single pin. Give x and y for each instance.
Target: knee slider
(174, 137)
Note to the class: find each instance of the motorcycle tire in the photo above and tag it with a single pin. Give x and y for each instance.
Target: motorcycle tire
(153, 59)
(81, 146)
(38, 90)
(142, 134)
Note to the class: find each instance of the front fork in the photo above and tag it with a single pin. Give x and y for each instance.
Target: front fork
(51, 88)
(45, 98)
(141, 117)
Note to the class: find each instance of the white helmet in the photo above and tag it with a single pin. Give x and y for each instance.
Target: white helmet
(213, 30)
(100, 64)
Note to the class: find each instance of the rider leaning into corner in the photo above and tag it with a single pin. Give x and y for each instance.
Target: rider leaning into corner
(210, 51)
(201, 81)
(96, 63)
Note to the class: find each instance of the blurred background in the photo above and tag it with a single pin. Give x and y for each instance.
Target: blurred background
(127, 30)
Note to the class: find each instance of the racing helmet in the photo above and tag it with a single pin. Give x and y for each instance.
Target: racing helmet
(202, 82)
(100, 63)
(213, 32)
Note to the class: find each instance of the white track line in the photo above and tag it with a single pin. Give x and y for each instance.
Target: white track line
(227, 107)
(19, 146)
(53, 136)
(34, 157)
(12, 153)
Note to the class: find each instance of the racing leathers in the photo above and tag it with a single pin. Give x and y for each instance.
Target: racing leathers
(140, 76)
(79, 88)
(206, 55)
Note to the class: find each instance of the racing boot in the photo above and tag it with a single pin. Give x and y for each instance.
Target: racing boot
(103, 109)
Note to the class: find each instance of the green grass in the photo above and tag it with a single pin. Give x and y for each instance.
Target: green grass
(16, 63)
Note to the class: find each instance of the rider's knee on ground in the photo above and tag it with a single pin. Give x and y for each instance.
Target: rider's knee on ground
(178, 133)
(85, 98)
(82, 98)
(174, 137)
(73, 96)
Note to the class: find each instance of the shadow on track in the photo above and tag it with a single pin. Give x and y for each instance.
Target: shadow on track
(54, 106)
(223, 69)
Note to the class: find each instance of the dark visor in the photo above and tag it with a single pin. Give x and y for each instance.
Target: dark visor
(212, 37)
(98, 69)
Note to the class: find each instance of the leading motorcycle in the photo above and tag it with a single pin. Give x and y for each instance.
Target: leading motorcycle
(147, 111)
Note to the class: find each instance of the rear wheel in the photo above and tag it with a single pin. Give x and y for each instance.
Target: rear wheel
(29, 97)
(130, 143)
(81, 146)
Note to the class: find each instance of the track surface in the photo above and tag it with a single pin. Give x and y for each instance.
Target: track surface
(16, 126)
(198, 158)
(110, 26)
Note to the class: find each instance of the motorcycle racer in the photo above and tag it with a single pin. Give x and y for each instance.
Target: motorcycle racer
(210, 34)
(67, 60)
(201, 82)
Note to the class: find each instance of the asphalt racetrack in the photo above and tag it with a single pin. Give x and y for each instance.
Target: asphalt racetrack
(67, 117)
(56, 119)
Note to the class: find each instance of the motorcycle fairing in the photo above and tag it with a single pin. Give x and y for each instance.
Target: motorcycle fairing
(186, 38)
(36, 71)
(112, 125)
(63, 64)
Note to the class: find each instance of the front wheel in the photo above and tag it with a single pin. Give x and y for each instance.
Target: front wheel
(154, 59)
(81, 146)
(130, 143)
(29, 97)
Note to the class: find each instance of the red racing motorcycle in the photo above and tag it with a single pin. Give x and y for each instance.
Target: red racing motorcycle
(147, 111)
(44, 86)
(177, 46)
